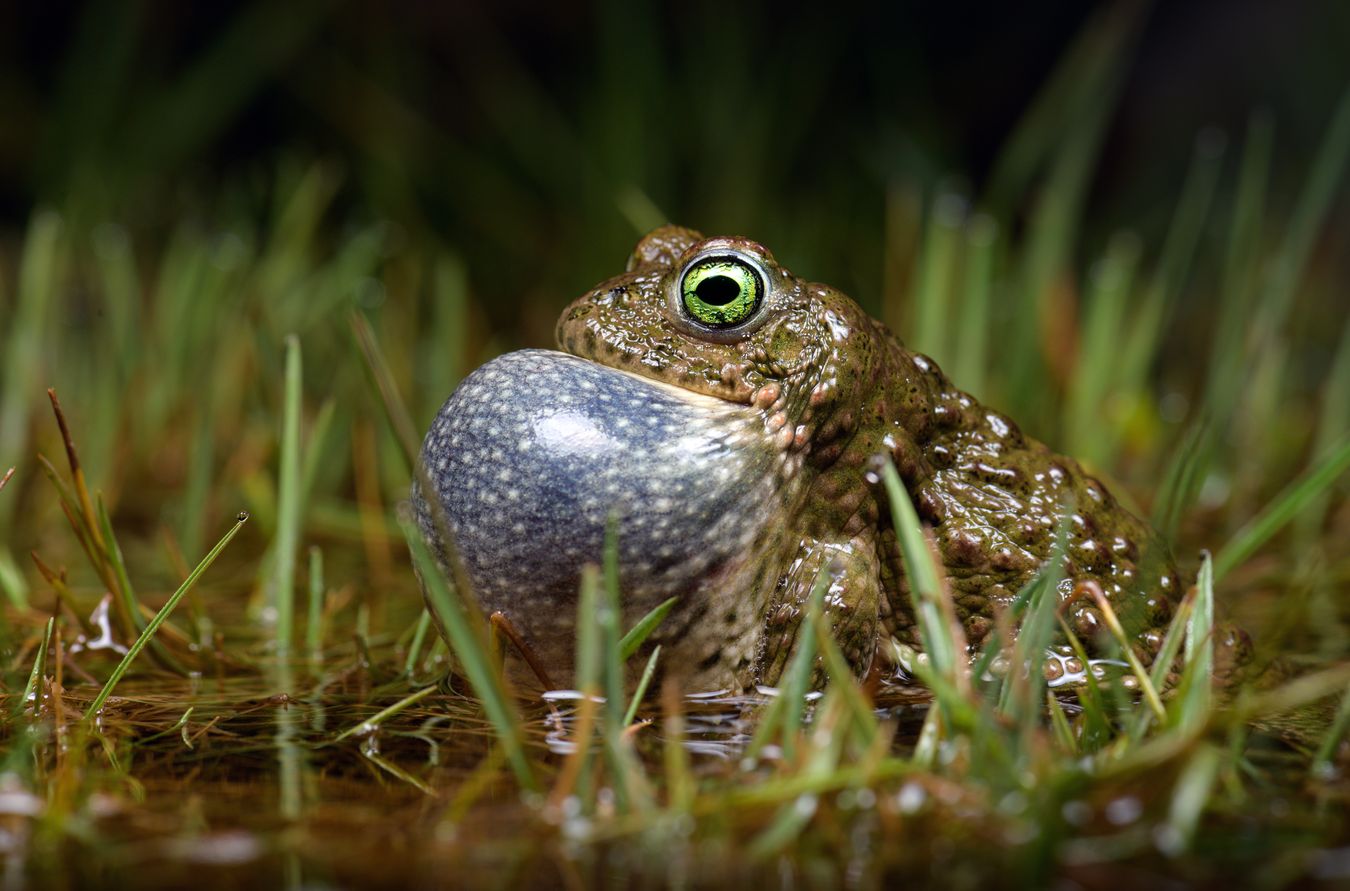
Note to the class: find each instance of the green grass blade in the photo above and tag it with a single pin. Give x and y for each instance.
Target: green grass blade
(121, 289)
(1021, 694)
(1323, 764)
(443, 355)
(1332, 426)
(626, 772)
(1177, 630)
(971, 351)
(153, 625)
(863, 719)
(925, 586)
(588, 658)
(418, 641)
(1284, 508)
(22, 356)
(1182, 479)
(314, 615)
(797, 681)
(1196, 680)
(317, 446)
(934, 290)
(25, 328)
(39, 665)
(373, 722)
(382, 379)
(112, 553)
(179, 727)
(1059, 724)
(681, 785)
(470, 647)
(823, 760)
(647, 673)
(1097, 729)
(638, 634)
(610, 619)
(288, 502)
(1106, 306)
(784, 714)
(1151, 696)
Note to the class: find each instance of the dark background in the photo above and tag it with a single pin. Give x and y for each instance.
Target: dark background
(503, 129)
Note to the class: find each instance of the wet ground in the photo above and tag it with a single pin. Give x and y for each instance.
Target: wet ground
(253, 788)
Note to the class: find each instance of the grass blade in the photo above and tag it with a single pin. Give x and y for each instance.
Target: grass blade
(1332, 426)
(624, 768)
(468, 640)
(1059, 723)
(610, 619)
(38, 666)
(1105, 308)
(373, 722)
(396, 412)
(1323, 764)
(638, 634)
(977, 286)
(842, 681)
(1025, 680)
(1196, 678)
(1182, 480)
(288, 502)
(1287, 505)
(23, 354)
(641, 690)
(153, 625)
(681, 785)
(578, 772)
(1123, 641)
(925, 587)
(418, 640)
(933, 304)
(798, 678)
(314, 615)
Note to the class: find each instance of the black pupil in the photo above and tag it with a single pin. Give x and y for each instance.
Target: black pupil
(718, 290)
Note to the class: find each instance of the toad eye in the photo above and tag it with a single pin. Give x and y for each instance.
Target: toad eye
(721, 292)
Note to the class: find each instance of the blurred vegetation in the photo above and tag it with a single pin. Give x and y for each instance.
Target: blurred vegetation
(1125, 225)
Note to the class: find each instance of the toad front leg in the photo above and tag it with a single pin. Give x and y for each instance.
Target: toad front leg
(852, 603)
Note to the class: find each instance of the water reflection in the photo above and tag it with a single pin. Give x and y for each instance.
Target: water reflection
(719, 724)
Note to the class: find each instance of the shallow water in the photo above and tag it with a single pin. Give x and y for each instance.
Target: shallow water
(253, 789)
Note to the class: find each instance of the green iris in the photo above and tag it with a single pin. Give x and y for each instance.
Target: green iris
(720, 292)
